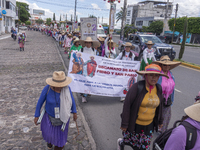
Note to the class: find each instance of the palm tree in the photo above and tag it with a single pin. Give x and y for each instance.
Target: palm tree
(119, 15)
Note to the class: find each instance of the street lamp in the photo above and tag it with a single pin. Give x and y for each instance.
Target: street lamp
(111, 19)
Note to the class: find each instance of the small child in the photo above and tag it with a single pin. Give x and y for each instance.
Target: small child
(21, 42)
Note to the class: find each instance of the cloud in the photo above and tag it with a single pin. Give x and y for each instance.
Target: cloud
(95, 6)
(48, 12)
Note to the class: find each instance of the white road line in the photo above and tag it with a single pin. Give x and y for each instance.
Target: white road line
(4, 37)
(178, 91)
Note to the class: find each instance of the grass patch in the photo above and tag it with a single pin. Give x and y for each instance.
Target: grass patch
(187, 62)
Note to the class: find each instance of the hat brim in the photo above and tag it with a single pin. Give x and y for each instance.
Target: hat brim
(50, 82)
(193, 111)
(171, 63)
(132, 47)
(101, 39)
(114, 44)
(150, 44)
(94, 43)
(151, 72)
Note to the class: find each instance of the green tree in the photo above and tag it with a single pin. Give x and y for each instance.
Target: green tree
(48, 21)
(155, 27)
(54, 17)
(119, 15)
(28, 23)
(129, 29)
(92, 16)
(184, 39)
(23, 11)
(179, 24)
(39, 21)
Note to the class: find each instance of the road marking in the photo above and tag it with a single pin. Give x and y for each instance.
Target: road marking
(4, 37)
(178, 91)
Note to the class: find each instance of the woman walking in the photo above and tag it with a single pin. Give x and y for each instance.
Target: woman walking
(21, 42)
(126, 55)
(67, 43)
(148, 55)
(142, 110)
(110, 45)
(75, 47)
(59, 104)
(89, 48)
(168, 86)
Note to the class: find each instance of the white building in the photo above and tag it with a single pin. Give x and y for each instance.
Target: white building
(145, 12)
(8, 19)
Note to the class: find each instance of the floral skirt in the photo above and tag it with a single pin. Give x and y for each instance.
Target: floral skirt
(140, 138)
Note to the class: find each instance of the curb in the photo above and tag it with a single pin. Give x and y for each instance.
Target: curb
(86, 126)
(188, 65)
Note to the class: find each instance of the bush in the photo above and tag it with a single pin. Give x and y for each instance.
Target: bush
(28, 23)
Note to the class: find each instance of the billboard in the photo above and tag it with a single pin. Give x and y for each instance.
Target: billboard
(38, 12)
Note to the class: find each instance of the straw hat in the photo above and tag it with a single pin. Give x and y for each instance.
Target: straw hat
(193, 111)
(149, 43)
(111, 41)
(59, 79)
(101, 39)
(152, 69)
(74, 37)
(166, 61)
(129, 44)
(69, 35)
(89, 39)
(76, 40)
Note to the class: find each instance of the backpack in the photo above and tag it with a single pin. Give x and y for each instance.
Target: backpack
(161, 140)
(82, 49)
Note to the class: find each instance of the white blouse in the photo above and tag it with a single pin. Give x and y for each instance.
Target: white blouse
(148, 53)
(126, 57)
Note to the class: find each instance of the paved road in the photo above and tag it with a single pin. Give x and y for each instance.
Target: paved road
(22, 78)
(191, 54)
(103, 113)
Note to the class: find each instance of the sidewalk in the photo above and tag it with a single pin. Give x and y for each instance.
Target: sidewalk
(22, 76)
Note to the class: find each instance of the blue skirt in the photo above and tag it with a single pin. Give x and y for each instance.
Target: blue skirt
(53, 134)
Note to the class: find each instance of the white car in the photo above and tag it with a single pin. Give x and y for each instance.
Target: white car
(23, 28)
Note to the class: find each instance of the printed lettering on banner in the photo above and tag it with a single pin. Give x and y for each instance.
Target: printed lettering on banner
(97, 75)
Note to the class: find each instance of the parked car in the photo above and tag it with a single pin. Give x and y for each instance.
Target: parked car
(23, 28)
(162, 38)
(139, 40)
(168, 38)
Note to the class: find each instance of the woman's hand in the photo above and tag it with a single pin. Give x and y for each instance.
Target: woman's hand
(160, 126)
(36, 120)
(123, 129)
(75, 116)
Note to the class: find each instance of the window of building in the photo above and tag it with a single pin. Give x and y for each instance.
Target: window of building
(0, 3)
(128, 13)
(4, 21)
(139, 23)
(150, 22)
(7, 5)
(7, 21)
(3, 3)
(127, 21)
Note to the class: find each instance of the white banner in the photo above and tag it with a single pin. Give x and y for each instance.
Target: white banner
(101, 76)
(88, 28)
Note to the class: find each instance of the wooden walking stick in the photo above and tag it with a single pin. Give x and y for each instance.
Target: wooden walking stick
(77, 130)
(109, 45)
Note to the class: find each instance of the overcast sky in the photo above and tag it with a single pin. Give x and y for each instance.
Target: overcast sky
(100, 8)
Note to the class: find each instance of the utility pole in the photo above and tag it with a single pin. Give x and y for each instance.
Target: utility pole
(102, 20)
(175, 22)
(75, 11)
(165, 20)
(123, 19)
(18, 17)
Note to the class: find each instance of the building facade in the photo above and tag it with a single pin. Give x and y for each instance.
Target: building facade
(145, 12)
(8, 14)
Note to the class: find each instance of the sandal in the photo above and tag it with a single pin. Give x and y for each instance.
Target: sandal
(49, 145)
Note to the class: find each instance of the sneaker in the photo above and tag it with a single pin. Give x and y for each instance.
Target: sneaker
(119, 143)
(84, 100)
(122, 99)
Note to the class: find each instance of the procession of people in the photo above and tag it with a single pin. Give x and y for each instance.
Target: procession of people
(146, 105)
